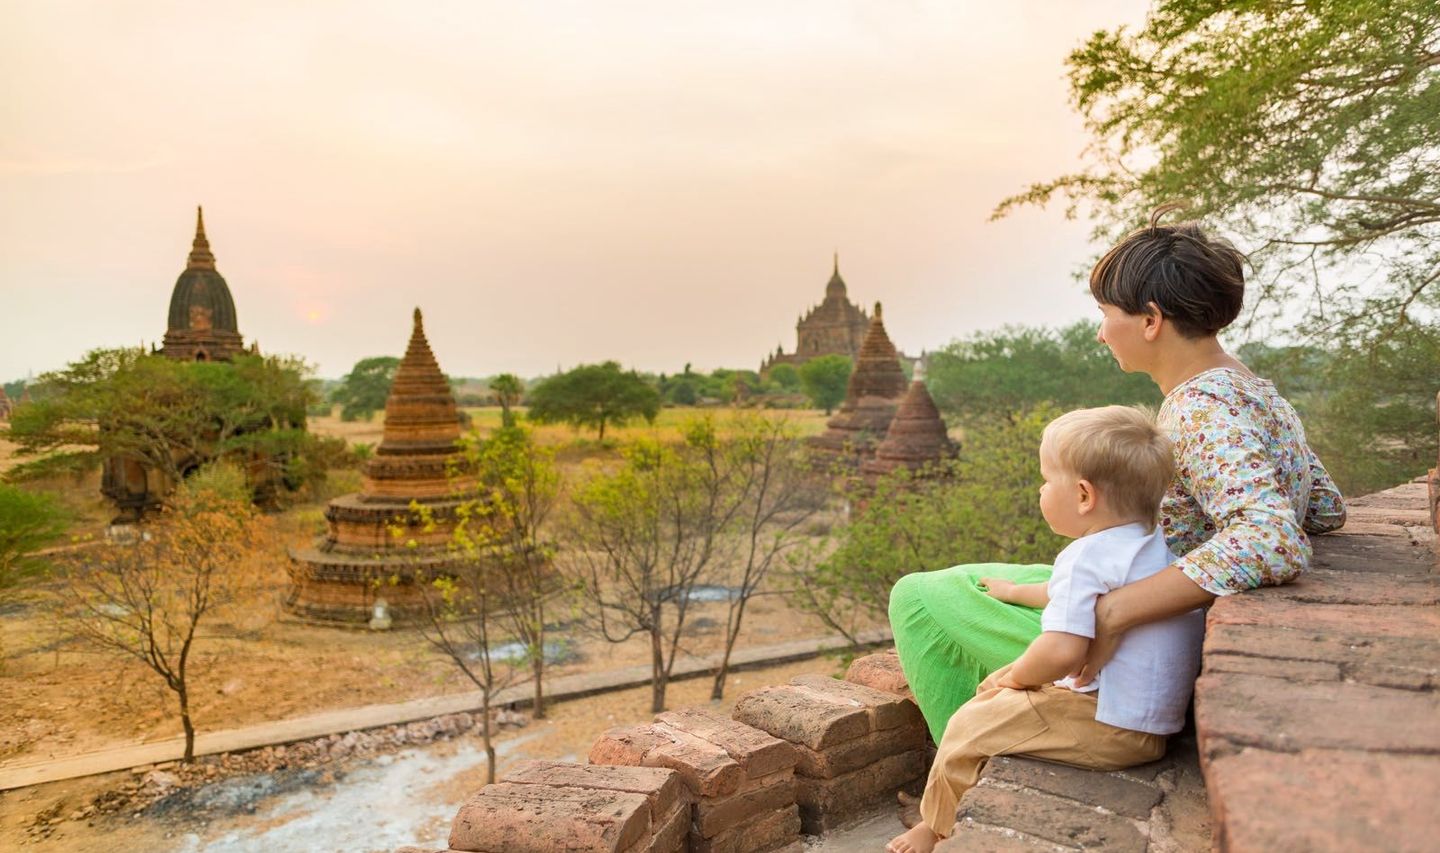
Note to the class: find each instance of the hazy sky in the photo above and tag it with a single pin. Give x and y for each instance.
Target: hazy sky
(551, 182)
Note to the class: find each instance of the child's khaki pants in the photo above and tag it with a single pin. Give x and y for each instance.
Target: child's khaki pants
(1051, 723)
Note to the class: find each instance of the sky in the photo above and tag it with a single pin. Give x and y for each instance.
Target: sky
(552, 183)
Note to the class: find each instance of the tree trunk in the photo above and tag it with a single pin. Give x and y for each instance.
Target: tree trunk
(538, 708)
(187, 724)
(717, 690)
(485, 737)
(657, 670)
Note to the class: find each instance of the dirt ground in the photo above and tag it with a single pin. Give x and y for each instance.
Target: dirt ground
(567, 734)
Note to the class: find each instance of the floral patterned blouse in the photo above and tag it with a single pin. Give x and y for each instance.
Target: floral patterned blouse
(1247, 487)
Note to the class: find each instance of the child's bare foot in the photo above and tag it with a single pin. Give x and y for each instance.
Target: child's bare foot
(917, 839)
(909, 809)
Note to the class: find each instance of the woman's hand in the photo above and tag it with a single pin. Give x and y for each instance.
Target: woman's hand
(1102, 648)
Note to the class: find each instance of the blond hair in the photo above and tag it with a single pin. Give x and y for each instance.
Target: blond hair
(1120, 450)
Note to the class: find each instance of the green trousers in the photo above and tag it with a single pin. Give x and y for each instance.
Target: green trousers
(950, 634)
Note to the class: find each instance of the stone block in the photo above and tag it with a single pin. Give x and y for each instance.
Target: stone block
(1110, 791)
(661, 787)
(802, 716)
(715, 816)
(1294, 670)
(670, 833)
(1054, 819)
(1288, 716)
(511, 818)
(772, 830)
(1361, 659)
(758, 754)
(972, 838)
(1371, 555)
(1325, 801)
(704, 768)
(858, 753)
(886, 710)
(828, 803)
(1370, 619)
(1330, 587)
(880, 672)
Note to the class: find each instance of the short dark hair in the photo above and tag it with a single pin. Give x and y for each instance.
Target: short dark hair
(1197, 280)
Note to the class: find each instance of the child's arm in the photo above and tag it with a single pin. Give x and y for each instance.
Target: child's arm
(1028, 594)
(1049, 657)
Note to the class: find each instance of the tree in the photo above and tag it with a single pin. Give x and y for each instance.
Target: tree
(767, 470)
(29, 521)
(594, 396)
(825, 379)
(985, 510)
(171, 416)
(147, 598)
(363, 391)
(507, 388)
(645, 535)
(1310, 130)
(993, 374)
(506, 515)
(786, 377)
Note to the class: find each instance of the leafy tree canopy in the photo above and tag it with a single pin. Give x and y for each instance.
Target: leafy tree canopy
(824, 380)
(1309, 130)
(29, 521)
(996, 373)
(363, 391)
(594, 396)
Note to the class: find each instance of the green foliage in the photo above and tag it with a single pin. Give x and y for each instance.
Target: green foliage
(362, 392)
(985, 510)
(1310, 129)
(170, 415)
(785, 377)
(1019, 367)
(29, 522)
(1368, 406)
(508, 389)
(594, 396)
(824, 380)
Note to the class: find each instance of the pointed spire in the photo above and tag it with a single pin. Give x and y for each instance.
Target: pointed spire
(837, 263)
(877, 309)
(200, 255)
(836, 287)
(419, 323)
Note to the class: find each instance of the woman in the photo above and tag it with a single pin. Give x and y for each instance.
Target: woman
(1247, 487)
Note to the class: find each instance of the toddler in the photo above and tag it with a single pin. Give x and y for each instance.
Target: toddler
(1105, 473)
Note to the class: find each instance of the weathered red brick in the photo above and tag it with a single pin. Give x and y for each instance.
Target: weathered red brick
(1325, 801)
(1054, 819)
(772, 830)
(1252, 710)
(715, 816)
(758, 753)
(670, 833)
(880, 672)
(828, 803)
(1367, 660)
(796, 714)
(704, 768)
(858, 753)
(974, 838)
(1295, 670)
(1110, 791)
(1330, 587)
(661, 786)
(1371, 554)
(887, 711)
(1371, 620)
(510, 818)
(1383, 515)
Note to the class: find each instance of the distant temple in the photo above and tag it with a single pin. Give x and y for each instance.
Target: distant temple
(916, 439)
(202, 324)
(871, 398)
(360, 560)
(201, 327)
(834, 327)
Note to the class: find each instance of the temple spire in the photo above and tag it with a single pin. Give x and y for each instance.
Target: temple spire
(837, 262)
(200, 256)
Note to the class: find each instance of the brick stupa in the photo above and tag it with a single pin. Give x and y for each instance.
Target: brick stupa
(360, 558)
(871, 398)
(5, 406)
(917, 438)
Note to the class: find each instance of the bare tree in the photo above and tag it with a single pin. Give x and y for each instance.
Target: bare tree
(147, 598)
(769, 473)
(646, 535)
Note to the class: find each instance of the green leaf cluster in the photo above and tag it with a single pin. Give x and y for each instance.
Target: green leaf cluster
(594, 396)
(363, 391)
(29, 522)
(825, 379)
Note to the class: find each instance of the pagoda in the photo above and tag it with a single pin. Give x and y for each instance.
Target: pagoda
(202, 324)
(834, 327)
(871, 399)
(377, 545)
(916, 440)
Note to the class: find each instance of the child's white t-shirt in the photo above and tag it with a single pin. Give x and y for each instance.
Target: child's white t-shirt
(1146, 686)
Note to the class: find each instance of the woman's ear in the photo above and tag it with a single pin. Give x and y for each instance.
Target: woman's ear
(1088, 496)
(1153, 321)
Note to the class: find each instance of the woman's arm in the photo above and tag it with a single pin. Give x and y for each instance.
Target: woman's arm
(1169, 592)
(1326, 509)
